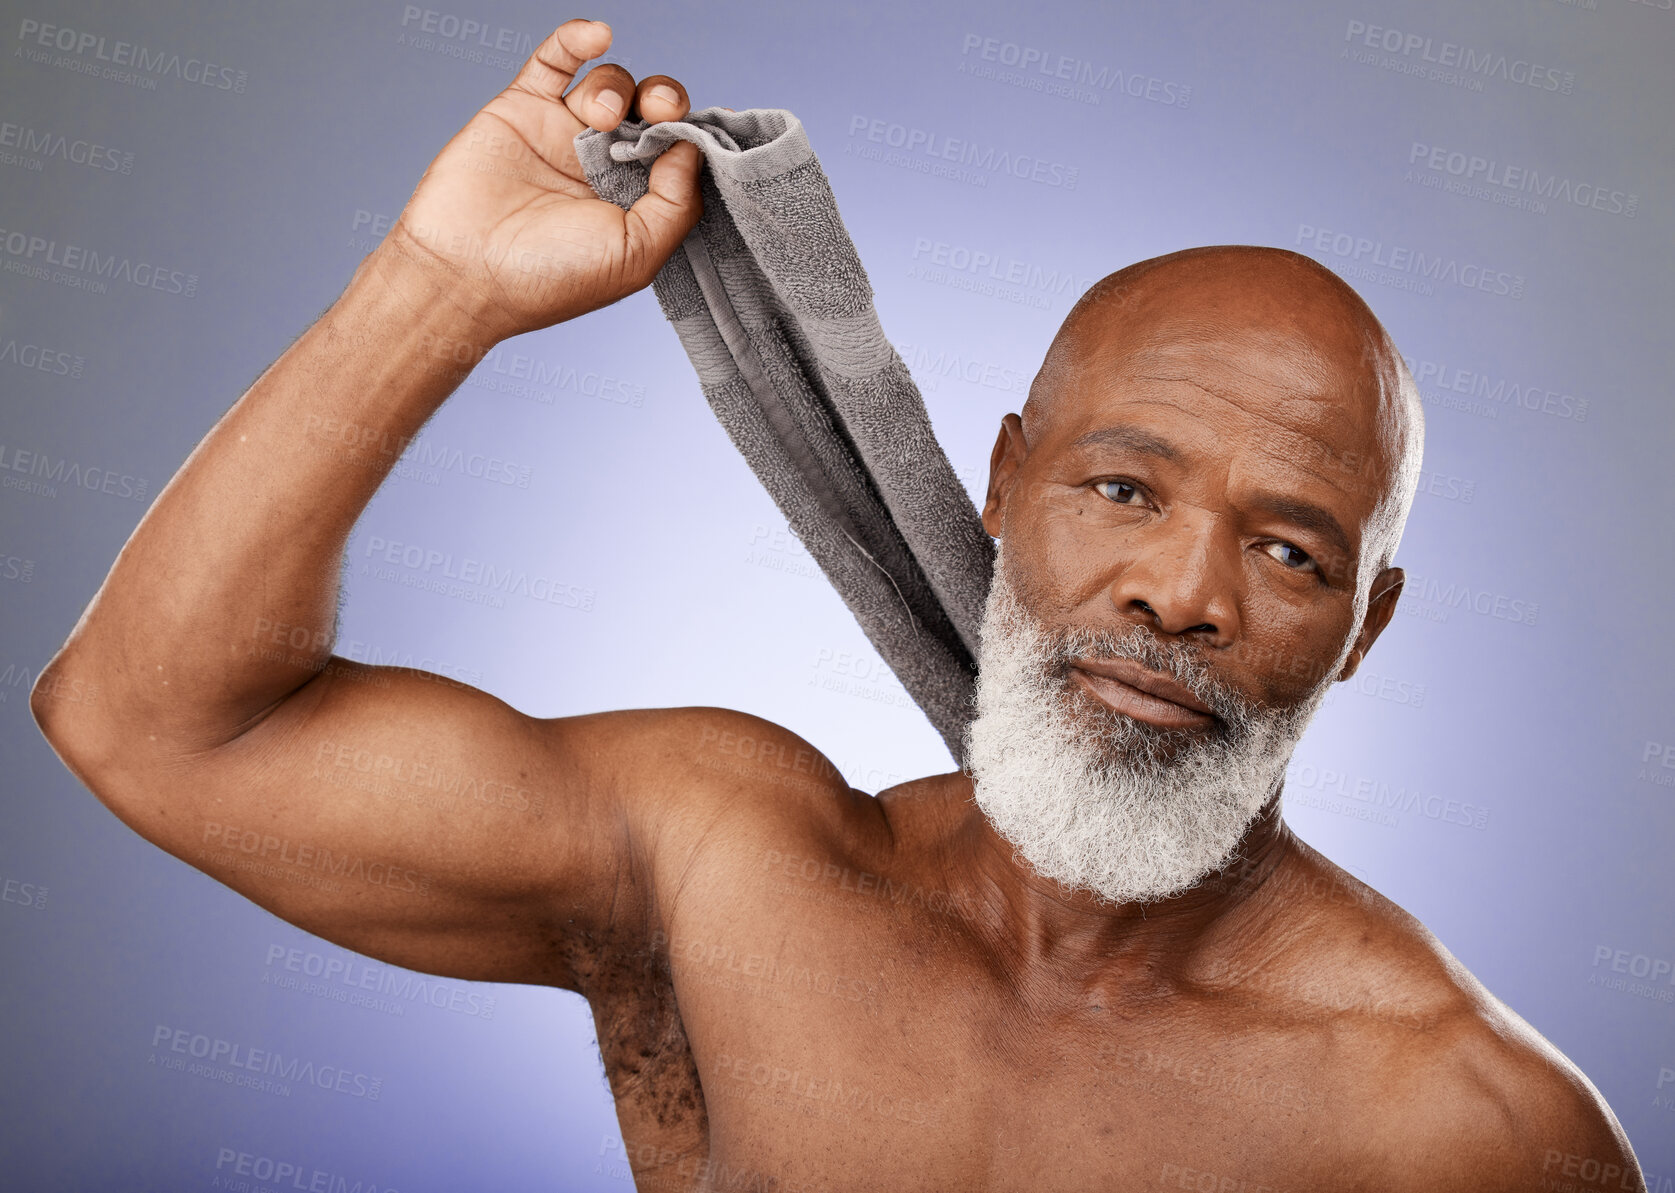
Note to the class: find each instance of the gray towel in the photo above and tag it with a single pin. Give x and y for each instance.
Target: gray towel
(770, 301)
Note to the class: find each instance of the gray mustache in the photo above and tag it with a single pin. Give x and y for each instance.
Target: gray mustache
(1178, 660)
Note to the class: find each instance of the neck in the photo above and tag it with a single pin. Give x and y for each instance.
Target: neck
(1041, 921)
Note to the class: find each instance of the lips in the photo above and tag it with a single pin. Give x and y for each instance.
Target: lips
(1143, 694)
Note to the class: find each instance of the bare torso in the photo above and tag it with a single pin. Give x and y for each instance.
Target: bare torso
(831, 1001)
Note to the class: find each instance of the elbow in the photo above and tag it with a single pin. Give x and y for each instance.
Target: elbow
(65, 702)
(76, 713)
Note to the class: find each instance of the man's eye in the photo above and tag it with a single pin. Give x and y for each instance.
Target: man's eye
(1294, 558)
(1120, 492)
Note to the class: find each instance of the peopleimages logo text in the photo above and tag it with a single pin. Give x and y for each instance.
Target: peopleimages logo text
(1453, 55)
(38, 252)
(293, 1070)
(141, 59)
(45, 143)
(1524, 180)
(1415, 263)
(990, 158)
(1066, 69)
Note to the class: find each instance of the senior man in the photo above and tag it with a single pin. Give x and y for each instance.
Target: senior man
(1094, 958)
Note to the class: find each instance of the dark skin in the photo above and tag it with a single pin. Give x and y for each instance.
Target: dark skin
(796, 985)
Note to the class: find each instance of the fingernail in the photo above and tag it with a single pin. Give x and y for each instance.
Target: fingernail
(610, 101)
(664, 93)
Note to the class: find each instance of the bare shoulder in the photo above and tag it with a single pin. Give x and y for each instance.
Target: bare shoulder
(705, 790)
(1442, 1085)
(704, 762)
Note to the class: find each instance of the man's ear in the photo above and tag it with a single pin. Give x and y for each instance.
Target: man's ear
(1004, 462)
(1387, 588)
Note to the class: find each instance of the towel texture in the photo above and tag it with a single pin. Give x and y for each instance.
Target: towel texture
(770, 301)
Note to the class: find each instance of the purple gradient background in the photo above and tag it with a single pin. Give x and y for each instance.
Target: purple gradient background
(1557, 729)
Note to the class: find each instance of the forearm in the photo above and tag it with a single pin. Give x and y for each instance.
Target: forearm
(243, 544)
(501, 236)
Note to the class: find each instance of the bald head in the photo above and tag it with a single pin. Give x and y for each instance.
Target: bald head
(1271, 331)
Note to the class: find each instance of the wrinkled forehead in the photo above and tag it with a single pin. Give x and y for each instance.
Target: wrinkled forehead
(1260, 387)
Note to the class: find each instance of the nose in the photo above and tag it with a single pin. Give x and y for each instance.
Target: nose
(1183, 580)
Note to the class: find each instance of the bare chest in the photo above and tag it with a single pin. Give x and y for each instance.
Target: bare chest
(908, 1104)
(864, 1055)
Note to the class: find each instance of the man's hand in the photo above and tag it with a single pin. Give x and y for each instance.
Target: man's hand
(504, 216)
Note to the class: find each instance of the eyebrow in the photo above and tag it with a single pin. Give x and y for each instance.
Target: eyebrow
(1132, 438)
(1307, 515)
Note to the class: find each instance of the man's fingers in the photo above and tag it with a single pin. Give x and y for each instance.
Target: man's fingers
(553, 65)
(661, 218)
(659, 97)
(601, 100)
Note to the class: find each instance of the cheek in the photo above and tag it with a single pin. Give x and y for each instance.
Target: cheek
(1287, 646)
(1059, 558)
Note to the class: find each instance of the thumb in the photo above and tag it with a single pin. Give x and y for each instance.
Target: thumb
(660, 219)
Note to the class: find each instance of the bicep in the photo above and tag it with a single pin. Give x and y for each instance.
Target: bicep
(402, 815)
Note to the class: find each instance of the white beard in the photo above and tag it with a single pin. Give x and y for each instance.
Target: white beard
(1096, 800)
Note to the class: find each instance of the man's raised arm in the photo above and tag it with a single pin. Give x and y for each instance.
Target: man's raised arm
(405, 816)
